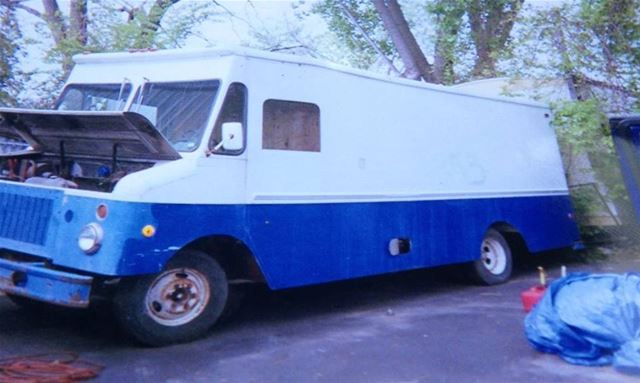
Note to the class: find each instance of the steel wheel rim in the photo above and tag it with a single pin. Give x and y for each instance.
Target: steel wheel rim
(177, 296)
(494, 256)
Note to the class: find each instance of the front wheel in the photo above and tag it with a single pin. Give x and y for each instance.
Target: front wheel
(177, 305)
(496, 262)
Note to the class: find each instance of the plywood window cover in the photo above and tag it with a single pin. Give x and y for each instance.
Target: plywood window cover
(290, 125)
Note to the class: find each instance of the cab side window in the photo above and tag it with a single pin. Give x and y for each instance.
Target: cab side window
(234, 109)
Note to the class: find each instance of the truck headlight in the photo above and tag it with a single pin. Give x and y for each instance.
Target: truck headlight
(90, 238)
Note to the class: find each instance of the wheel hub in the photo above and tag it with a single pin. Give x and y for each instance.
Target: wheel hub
(494, 257)
(180, 293)
(177, 297)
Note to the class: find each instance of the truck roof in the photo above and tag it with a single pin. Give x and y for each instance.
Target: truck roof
(212, 53)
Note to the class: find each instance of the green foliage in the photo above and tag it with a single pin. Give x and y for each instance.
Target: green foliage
(9, 55)
(582, 127)
(615, 23)
(595, 44)
(614, 26)
(111, 26)
(459, 49)
(110, 32)
(593, 254)
(448, 16)
(592, 46)
(586, 202)
(336, 14)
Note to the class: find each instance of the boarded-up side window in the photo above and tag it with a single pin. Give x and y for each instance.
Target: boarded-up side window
(290, 125)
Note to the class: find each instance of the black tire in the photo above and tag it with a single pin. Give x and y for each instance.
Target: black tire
(234, 302)
(496, 260)
(155, 320)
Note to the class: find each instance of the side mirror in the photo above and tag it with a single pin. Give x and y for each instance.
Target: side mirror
(232, 137)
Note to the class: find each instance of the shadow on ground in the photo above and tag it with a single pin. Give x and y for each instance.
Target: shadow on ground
(259, 304)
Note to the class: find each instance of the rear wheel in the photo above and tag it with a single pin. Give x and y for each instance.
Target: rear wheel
(496, 261)
(177, 305)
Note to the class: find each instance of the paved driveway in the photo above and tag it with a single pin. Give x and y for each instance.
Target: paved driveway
(414, 327)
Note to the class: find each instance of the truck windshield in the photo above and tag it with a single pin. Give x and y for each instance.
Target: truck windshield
(98, 97)
(179, 110)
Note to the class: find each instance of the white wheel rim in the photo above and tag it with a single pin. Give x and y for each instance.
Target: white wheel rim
(494, 256)
(177, 297)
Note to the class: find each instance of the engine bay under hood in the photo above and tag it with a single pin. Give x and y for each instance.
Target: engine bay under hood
(79, 150)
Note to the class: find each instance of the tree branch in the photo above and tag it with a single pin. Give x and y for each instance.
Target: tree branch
(156, 13)
(416, 64)
(604, 85)
(17, 4)
(368, 38)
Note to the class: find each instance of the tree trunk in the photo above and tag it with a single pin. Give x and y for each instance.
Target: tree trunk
(58, 28)
(352, 19)
(53, 17)
(442, 66)
(78, 21)
(578, 89)
(416, 65)
(156, 13)
(491, 22)
(445, 48)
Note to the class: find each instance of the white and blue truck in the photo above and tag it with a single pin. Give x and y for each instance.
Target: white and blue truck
(160, 179)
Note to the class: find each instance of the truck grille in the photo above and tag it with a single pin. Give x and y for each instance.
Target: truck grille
(24, 218)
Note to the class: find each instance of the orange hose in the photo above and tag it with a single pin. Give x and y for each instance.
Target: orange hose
(47, 368)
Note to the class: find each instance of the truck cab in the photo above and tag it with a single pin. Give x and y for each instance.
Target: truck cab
(85, 187)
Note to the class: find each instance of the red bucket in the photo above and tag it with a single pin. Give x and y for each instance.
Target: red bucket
(532, 296)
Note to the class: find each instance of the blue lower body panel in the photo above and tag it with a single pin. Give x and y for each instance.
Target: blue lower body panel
(35, 281)
(316, 243)
(294, 244)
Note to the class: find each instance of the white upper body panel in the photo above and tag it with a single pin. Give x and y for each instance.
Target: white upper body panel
(387, 141)
(382, 139)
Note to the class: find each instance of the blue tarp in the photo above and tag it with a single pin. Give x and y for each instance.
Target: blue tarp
(590, 319)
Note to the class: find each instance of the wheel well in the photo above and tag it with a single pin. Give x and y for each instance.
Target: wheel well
(233, 255)
(513, 236)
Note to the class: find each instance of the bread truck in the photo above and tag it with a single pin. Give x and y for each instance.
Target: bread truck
(163, 179)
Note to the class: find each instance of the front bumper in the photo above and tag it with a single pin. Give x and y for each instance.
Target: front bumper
(34, 280)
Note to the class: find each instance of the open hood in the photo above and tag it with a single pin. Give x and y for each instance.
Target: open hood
(87, 134)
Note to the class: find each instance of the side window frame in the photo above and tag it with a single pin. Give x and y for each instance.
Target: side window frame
(312, 146)
(217, 126)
